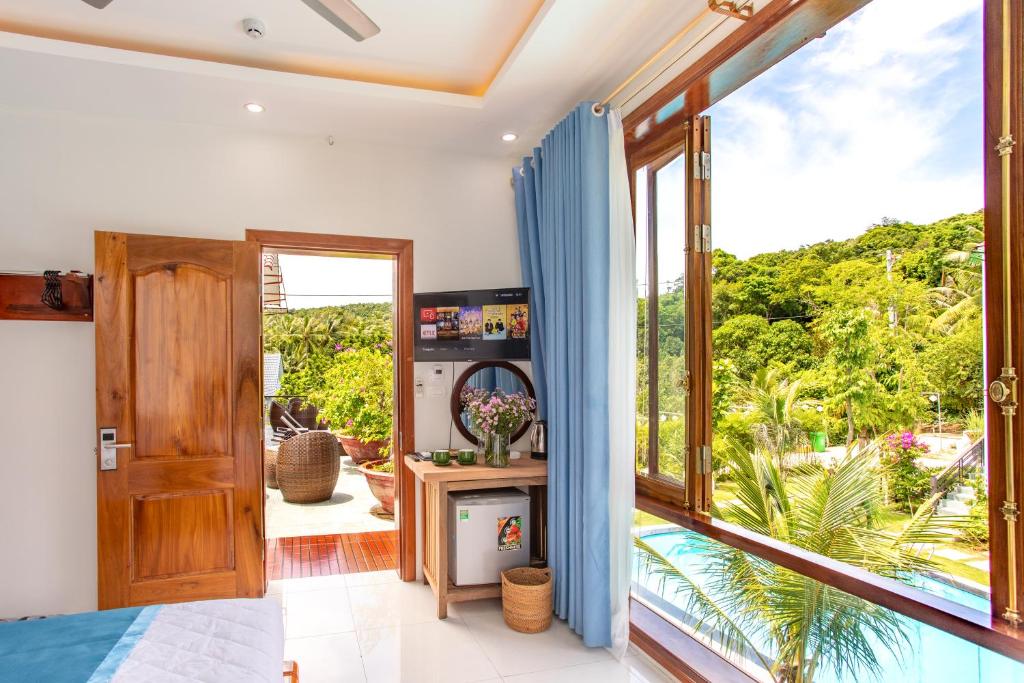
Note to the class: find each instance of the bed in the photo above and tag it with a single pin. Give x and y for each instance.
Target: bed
(214, 640)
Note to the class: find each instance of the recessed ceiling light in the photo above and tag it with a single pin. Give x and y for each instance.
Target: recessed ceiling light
(509, 137)
(254, 108)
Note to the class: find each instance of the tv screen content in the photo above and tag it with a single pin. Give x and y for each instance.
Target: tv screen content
(482, 324)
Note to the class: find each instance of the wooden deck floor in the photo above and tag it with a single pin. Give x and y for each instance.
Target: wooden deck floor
(304, 556)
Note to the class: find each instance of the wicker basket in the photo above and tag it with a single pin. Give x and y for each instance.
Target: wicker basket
(526, 599)
(270, 467)
(308, 466)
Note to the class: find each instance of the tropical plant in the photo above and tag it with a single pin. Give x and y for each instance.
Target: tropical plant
(770, 404)
(793, 625)
(959, 295)
(357, 394)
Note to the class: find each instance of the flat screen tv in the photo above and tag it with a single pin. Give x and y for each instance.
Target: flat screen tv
(481, 324)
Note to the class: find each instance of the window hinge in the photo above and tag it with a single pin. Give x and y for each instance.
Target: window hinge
(704, 460)
(702, 165)
(702, 238)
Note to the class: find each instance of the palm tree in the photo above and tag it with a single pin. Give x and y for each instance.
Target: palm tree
(749, 605)
(959, 296)
(770, 401)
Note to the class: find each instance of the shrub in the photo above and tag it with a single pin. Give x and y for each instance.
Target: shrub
(357, 394)
(909, 483)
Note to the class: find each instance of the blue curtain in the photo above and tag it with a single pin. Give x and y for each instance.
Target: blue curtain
(562, 206)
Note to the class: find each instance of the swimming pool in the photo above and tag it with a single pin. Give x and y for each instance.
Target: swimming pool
(933, 656)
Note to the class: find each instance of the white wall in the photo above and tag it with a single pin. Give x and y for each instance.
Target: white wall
(434, 427)
(61, 177)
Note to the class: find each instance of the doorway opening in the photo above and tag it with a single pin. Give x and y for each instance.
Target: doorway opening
(334, 421)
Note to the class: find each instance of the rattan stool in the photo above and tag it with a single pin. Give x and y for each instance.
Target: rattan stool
(308, 466)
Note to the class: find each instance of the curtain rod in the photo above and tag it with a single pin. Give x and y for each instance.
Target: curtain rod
(736, 10)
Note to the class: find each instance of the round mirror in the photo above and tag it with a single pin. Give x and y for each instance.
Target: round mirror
(489, 376)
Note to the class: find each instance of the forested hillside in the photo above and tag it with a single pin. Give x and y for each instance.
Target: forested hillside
(863, 342)
(310, 339)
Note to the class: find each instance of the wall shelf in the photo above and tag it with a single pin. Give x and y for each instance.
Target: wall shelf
(21, 297)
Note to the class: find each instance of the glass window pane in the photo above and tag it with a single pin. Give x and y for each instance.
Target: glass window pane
(766, 618)
(642, 329)
(670, 219)
(847, 304)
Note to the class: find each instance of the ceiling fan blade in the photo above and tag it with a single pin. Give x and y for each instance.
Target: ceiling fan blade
(98, 4)
(344, 14)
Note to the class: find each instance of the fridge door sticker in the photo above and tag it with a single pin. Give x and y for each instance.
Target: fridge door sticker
(510, 533)
(463, 515)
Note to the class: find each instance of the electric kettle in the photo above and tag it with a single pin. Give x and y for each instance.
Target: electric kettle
(539, 440)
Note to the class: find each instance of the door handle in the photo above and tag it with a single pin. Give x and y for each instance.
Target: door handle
(108, 448)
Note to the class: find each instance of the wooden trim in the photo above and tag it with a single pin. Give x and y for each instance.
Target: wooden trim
(455, 404)
(774, 32)
(401, 251)
(680, 654)
(966, 623)
(994, 326)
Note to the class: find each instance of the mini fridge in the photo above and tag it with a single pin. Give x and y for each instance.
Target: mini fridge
(488, 532)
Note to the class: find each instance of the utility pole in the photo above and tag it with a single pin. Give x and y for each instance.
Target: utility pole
(890, 259)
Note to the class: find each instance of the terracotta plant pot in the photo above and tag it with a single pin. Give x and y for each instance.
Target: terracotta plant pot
(382, 485)
(361, 452)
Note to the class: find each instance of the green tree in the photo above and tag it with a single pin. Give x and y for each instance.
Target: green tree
(750, 342)
(848, 364)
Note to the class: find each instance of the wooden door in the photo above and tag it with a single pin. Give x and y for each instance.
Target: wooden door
(178, 376)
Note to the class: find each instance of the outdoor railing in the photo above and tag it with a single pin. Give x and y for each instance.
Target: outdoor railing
(954, 474)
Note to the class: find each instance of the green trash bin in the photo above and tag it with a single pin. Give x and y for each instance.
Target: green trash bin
(819, 441)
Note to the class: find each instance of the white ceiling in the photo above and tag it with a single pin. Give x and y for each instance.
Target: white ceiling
(450, 46)
(572, 50)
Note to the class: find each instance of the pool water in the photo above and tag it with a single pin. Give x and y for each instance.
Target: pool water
(932, 656)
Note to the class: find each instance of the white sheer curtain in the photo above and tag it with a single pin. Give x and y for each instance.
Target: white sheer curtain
(621, 382)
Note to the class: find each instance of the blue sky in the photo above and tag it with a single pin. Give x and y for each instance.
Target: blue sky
(881, 118)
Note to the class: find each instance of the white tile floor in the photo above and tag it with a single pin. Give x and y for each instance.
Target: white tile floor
(372, 628)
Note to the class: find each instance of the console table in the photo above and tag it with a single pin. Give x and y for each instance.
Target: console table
(437, 482)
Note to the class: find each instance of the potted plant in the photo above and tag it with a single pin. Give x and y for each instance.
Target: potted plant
(495, 416)
(357, 395)
(380, 476)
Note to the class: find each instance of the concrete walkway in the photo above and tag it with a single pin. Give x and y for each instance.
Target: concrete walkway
(347, 512)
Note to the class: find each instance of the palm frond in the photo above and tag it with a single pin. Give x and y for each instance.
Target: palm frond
(712, 621)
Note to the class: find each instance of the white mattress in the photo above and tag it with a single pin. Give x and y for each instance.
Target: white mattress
(216, 641)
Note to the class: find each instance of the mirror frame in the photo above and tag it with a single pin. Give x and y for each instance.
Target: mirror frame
(460, 384)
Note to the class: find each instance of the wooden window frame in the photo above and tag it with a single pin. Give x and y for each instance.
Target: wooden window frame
(653, 344)
(776, 31)
(401, 251)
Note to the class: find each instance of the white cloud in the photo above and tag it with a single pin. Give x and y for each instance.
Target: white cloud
(859, 126)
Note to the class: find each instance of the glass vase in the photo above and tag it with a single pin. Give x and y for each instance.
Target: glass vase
(497, 450)
(483, 445)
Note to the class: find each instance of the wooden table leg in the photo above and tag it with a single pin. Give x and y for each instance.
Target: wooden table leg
(441, 568)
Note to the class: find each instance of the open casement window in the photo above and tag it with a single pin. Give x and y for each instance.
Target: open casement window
(672, 195)
(673, 499)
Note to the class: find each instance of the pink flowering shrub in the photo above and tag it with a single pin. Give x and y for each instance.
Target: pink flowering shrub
(910, 483)
(496, 412)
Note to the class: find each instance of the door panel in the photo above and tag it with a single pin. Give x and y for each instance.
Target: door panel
(178, 376)
(182, 358)
(176, 534)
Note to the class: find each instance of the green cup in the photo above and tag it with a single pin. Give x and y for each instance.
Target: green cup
(442, 458)
(467, 456)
